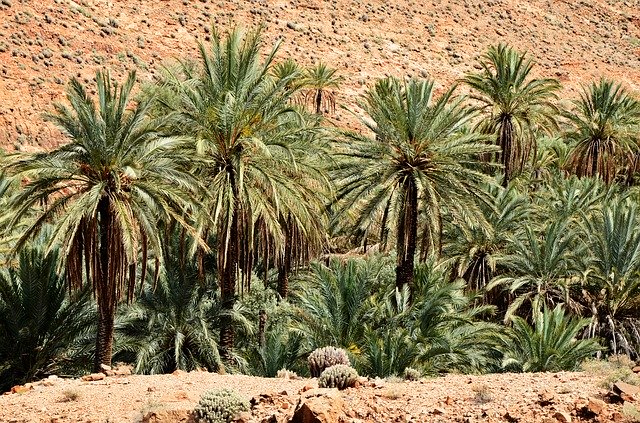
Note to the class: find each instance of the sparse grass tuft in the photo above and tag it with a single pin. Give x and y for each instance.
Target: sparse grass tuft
(615, 368)
(70, 395)
(483, 393)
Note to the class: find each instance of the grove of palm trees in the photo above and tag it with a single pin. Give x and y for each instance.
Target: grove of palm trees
(216, 219)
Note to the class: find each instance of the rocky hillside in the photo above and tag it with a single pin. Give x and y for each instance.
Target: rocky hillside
(43, 43)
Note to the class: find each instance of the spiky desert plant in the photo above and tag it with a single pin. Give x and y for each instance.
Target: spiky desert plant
(220, 406)
(325, 357)
(338, 376)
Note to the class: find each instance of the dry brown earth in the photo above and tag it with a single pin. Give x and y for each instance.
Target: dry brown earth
(43, 43)
(534, 398)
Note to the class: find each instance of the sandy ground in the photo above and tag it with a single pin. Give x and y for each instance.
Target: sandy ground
(542, 397)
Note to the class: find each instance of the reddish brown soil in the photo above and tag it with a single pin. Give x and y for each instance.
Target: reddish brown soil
(541, 397)
(43, 43)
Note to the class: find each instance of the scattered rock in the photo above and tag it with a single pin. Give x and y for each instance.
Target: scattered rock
(319, 407)
(596, 406)
(626, 391)
(562, 416)
(168, 416)
(93, 377)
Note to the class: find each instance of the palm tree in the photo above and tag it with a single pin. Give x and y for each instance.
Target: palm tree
(515, 107)
(550, 345)
(543, 268)
(40, 324)
(251, 142)
(475, 251)
(104, 193)
(419, 161)
(318, 81)
(605, 125)
(612, 288)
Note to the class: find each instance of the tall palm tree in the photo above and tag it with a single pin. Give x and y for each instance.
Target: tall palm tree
(104, 193)
(515, 106)
(319, 80)
(419, 161)
(604, 133)
(251, 141)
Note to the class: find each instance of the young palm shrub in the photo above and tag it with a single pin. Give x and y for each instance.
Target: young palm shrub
(169, 327)
(104, 193)
(603, 134)
(333, 301)
(419, 161)
(612, 288)
(386, 352)
(41, 326)
(440, 331)
(318, 82)
(569, 198)
(282, 349)
(237, 115)
(451, 332)
(515, 106)
(543, 268)
(551, 345)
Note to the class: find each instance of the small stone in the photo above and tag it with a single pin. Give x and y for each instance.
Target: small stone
(626, 391)
(105, 367)
(439, 411)
(636, 369)
(562, 416)
(285, 405)
(93, 377)
(596, 406)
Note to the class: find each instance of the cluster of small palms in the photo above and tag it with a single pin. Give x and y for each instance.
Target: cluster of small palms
(510, 222)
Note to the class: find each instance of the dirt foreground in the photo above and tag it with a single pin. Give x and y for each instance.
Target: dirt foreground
(542, 397)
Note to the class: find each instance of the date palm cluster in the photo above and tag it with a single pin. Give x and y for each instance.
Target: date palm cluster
(217, 218)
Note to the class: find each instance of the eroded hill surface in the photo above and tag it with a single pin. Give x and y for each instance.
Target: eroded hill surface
(44, 43)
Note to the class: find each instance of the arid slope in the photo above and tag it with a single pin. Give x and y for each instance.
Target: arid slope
(43, 43)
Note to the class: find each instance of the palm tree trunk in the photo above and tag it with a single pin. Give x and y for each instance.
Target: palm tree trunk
(318, 102)
(510, 151)
(228, 258)
(284, 267)
(105, 288)
(407, 236)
